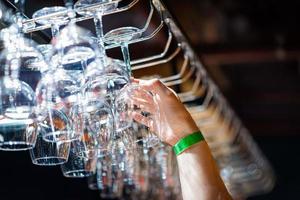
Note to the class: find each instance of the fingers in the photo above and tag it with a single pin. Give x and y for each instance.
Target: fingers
(142, 94)
(156, 86)
(146, 106)
(146, 121)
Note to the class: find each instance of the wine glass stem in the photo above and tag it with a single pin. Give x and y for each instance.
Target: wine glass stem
(21, 5)
(99, 32)
(54, 30)
(126, 57)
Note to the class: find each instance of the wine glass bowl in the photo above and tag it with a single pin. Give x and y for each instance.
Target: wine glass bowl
(98, 127)
(104, 80)
(48, 153)
(130, 107)
(17, 99)
(55, 125)
(17, 134)
(75, 44)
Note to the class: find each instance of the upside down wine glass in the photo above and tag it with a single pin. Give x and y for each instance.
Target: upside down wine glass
(105, 76)
(59, 87)
(112, 70)
(48, 153)
(96, 9)
(131, 99)
(50, 105)
(17, 102)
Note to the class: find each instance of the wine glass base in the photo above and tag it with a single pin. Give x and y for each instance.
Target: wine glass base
(59, 19)
(16, 146)
(122, 35)
(77, 174)
(49, 161)
(93, 186)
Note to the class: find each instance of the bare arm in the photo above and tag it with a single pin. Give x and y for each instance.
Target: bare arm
(199, 175)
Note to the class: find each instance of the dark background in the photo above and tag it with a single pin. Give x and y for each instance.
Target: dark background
(251, 49)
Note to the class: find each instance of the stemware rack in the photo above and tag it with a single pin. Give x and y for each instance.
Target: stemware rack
(243, 167)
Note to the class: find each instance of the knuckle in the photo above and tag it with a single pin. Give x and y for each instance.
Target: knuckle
(157, 82)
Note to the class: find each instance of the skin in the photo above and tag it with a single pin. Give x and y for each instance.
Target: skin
(199, 175)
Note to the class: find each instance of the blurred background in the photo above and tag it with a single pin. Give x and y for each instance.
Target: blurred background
(251, 49)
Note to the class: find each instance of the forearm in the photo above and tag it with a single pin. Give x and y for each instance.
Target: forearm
(199, 175)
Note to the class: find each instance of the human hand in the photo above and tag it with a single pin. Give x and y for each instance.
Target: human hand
(175, 122)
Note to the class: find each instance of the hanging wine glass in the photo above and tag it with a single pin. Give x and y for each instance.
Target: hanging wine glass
(93, 121)
(74, 50)
(17, 97)
(61, 17)
(122, 36)
(96, 9)
(59, 88)
(114, 70)
(109, 178)
(48, 153)
(76, 166)
(51, 109)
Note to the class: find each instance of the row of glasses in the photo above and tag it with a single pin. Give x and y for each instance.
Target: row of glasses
(87, 115)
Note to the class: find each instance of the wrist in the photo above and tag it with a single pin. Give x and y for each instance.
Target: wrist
(187, 142)
(185, 130)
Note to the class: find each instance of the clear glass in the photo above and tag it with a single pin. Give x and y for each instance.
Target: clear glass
(17, 99)
(104, 81)
(55, 125)
(17, 134)
(74, 49)
(91, 7)
(54, 21)
(122, 36)
(49, 153)
(126, 105)
(92, 119)
(145, 124)
(54, 99)
(92, 182)
(109, 178)
(77, 166)
(96, 8)
(74, 45)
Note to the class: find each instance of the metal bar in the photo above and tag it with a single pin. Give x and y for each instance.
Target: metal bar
(154, 57)
(163, 61)
(180, 74)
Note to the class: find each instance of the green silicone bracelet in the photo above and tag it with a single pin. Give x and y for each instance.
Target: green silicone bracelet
(187, 142)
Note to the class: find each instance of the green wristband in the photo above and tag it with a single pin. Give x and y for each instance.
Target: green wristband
(187, 142)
